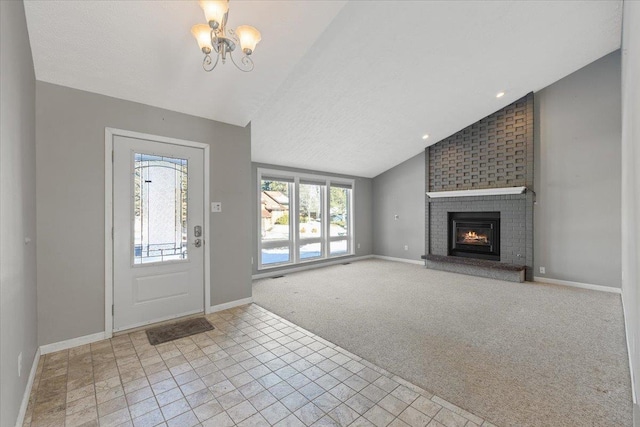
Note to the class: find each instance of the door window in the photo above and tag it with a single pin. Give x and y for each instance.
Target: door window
(160, 209)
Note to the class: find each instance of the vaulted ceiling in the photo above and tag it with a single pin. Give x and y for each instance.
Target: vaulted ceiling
(346, 87)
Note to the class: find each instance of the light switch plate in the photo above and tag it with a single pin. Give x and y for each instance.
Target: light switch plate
(216, 206)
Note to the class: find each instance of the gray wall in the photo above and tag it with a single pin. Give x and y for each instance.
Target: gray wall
(577, 176)
(400, 191)
(362, 231)
(18, 321)
(70, 191)
(631, 186)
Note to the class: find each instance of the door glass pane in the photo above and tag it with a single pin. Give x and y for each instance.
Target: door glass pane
(340, 198)
(160, 209)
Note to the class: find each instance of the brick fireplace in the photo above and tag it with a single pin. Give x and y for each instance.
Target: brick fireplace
(484, 171)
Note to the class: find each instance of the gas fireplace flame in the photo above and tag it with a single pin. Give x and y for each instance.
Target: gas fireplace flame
(473, 237)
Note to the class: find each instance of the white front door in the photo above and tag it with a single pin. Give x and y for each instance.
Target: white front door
(158, 235)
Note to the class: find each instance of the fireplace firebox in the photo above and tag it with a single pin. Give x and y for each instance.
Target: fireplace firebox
(475, 235)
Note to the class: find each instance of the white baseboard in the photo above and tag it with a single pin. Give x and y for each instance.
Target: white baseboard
(27, 390)
(308, 267)
(74, 342)
(230, 304)
(405, 260)
(578, 285)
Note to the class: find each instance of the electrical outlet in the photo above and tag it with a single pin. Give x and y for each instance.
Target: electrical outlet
(20, 364)
(543, 270)
(216, 206)
(406, 247)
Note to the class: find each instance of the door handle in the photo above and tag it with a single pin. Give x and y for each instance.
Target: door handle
(197, 243)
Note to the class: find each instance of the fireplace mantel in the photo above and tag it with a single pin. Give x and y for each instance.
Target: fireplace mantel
(480, 192)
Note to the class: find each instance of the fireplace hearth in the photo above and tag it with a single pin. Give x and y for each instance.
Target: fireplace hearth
(474, 235)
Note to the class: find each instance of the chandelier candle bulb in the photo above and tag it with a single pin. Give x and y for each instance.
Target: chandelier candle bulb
(202, 33)
(214, 11)
(249, 38)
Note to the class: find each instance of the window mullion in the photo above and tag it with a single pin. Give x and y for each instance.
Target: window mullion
(294, 221)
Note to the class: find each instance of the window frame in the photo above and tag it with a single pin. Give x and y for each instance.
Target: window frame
(295, 241)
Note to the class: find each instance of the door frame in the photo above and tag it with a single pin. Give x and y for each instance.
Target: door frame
(109, 134)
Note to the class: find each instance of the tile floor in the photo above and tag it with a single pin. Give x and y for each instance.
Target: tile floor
(253, 369)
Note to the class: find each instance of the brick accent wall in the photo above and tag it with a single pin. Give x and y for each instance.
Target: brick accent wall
(494, 152)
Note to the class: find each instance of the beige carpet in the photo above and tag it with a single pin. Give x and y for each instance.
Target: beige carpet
(516, 354)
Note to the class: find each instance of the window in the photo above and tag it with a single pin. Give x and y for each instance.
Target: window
(160, 209)
(303, 217)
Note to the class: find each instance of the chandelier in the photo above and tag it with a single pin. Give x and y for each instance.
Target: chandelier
(215, 38)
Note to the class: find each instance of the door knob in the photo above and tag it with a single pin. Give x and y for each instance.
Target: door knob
(197, 243)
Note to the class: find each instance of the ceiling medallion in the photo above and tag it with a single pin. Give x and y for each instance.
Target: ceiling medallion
(214, 37)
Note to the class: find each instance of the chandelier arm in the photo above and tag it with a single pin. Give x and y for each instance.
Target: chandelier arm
(215, 42)
(246, 63)
(207, 63)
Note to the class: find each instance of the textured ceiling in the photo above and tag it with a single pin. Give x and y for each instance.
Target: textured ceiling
(347, 87)
(143, 51)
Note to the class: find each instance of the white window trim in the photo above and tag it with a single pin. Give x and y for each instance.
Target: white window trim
(294, 240)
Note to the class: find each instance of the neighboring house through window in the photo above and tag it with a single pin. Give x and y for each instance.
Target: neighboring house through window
(303, 217)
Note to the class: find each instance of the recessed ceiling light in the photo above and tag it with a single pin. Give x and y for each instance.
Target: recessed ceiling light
(425, 136)
(500, 95)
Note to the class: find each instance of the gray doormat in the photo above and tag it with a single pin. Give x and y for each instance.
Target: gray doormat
(174, 331)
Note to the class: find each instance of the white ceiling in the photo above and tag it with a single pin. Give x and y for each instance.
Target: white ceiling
(337, 88)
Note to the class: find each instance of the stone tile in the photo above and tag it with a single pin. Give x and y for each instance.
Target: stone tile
(326, 421)
(342, 392)
(220, 420)
(414, 418)
(281, 390)
(311, 391)
(392, 404)
(256, 420)
(404, 394)
(198, 398)
(373, 393)
(359, 403)
(231, 399)
(115, 418)
(143, 407)
(290, 421)
(208, 410)
(426, 406)
(275, 412)
(169, 396)
(262, 400)
(387, 384)
(241, 412)
(186, 419)
(174, 409)
(82, 418)
(378, 416)
(112, 405)
(449, 418)
(309, 413)
(150, 419)
(344, 415)
(294, 401)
